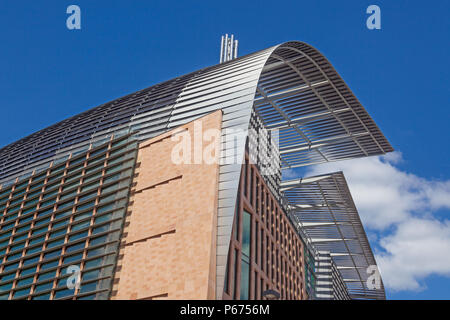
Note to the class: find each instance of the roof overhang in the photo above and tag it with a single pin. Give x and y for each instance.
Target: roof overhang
(324, 209)
(318, 118)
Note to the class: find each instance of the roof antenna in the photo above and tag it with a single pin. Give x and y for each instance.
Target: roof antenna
(228, 48)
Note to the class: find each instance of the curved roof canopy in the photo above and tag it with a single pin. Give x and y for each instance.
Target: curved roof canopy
(292, 86)
(324, 208)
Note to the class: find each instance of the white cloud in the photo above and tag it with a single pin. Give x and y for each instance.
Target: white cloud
(384, 194)
(289, 174)
(391, 200)
(417, 249)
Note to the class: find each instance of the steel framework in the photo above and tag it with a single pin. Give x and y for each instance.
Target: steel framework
(324, 208)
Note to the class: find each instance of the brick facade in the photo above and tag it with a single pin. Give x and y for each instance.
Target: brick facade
(276, 250)
(168, 250)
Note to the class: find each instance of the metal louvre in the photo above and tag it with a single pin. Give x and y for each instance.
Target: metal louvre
(319, 119)
(324, 208)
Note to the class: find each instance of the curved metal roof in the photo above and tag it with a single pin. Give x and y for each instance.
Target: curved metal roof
(324, 208)
(292, 87)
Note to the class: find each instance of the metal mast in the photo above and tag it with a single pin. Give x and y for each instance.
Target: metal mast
(228, 48)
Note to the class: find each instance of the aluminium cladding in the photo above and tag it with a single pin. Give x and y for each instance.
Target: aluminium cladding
(292, 87)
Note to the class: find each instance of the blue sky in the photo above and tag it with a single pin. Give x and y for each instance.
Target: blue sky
(400, 74)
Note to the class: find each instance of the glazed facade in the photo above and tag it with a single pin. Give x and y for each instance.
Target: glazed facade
(266, 252)
(68, 215)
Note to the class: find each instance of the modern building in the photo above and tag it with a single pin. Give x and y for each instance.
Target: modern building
(176, 191)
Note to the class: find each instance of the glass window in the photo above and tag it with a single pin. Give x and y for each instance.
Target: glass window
(93, 177)
(93, 263)
(26, 219)
(49, 265)
(96, 251)
(103, 218)
(64, 293)
(33, 194)
(63, 214)
(88, 287)
(86, 206)
(37, 240)
(98, 151)
(41, 222)
(103, 228)
(91, 275)
(24, 282)
(71, 185)
(246, 233)
(61, 223)
(16, 201)
(88, 297)
(8, 277)
(98, 240)
(9, 218)
(78, 160)
(68, 195)
(82, 216)
(90, 186)
(8, 226)
(4, 243)
(34, 250)
(11, 267)
(58, 233)
(6, 287)
(105, 208)
(23, 184)
(87, 196)
(62, 282)
(245, 257)
(44, 212)
(21, 293)
(73, 258)
(47, 275)
(112, 178)
(90, 170)
(41, 297)
(49, 194)
(6, 234)
(37, 185)
(30, 261)
(28, 271)
(78, 236)
(3, 192)
(52, 254)
(18, 246)
(19, 238)
(14, 209)
(65, 204)
(48, 203)
(245, 280)
(75, 247)
(43, 287)
(55, 243)
(24, 228)
(81, 225)
(14, 256)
